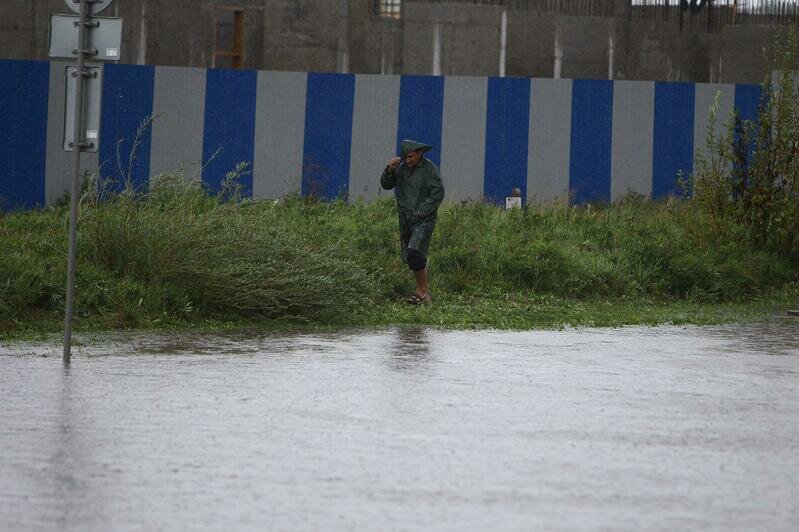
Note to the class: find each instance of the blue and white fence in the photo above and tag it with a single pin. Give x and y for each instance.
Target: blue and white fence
(331, 134)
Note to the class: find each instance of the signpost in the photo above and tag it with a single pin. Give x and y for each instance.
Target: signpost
(92, 92)
(81, 37)
(93, 7)
(103, 42)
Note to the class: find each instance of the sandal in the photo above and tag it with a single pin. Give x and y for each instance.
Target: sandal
(416, 299)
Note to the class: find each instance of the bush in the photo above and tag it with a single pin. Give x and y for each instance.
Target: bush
(751, 174)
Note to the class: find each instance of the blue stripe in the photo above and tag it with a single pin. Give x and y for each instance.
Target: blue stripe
(591, 139)
(421, 109)
(127, 103)
(747, 100)
(673, 132)
(23, 118)
(328, 135)
(229, 127)
(507, 133)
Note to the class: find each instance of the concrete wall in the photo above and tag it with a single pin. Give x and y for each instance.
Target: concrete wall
(330, 135)
(346, 36)
(469, 37)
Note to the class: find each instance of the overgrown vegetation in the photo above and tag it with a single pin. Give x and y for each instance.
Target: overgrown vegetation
(749, 176)
(179, 255)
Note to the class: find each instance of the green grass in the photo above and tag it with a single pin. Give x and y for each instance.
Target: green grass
(179, 257)
(513, 312)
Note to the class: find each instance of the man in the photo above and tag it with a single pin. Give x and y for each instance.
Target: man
(419, 191)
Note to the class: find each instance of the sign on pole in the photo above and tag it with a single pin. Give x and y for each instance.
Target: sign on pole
(84, 38)
(92, 94)
(103, 40)
(93, 6)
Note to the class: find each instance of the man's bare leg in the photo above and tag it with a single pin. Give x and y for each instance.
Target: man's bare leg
(421, 282)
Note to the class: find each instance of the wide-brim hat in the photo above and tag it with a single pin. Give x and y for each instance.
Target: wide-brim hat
(407, 146)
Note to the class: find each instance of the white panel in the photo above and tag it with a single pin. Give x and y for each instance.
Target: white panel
(279, 133)
(178, 108)
(463, 137)
(633, 126)
(374, 133)
(705, 93)
(550, 140)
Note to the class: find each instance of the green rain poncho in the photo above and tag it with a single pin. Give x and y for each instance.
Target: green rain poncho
(419, 191)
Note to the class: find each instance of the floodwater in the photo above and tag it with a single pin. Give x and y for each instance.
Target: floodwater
(667, 428)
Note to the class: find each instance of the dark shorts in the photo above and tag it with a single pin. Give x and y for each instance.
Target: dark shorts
(416, 237)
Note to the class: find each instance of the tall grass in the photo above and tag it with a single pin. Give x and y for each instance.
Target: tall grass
(178, 253)
(220, 256)
(749, 176)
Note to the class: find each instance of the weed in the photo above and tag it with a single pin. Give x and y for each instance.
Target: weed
(749, 177)
(178, 254)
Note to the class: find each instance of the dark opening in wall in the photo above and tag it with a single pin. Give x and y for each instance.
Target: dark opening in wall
(388, 8)
(228, 38)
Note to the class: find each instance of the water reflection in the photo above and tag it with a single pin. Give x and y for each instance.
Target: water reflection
(409, 349)
(68, 453)
(770, 338)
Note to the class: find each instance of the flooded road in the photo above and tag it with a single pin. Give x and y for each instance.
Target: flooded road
(666, 428)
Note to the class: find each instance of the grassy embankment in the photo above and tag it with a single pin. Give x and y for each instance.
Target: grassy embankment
(178, 257)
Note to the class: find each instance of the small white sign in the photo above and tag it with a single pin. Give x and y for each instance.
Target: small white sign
(112, 52)
(91, 134)
(513, 202)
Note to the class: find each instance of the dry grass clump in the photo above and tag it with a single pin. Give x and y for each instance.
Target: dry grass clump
(220, 256)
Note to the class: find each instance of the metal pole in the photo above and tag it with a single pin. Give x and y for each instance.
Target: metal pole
(77, 139)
